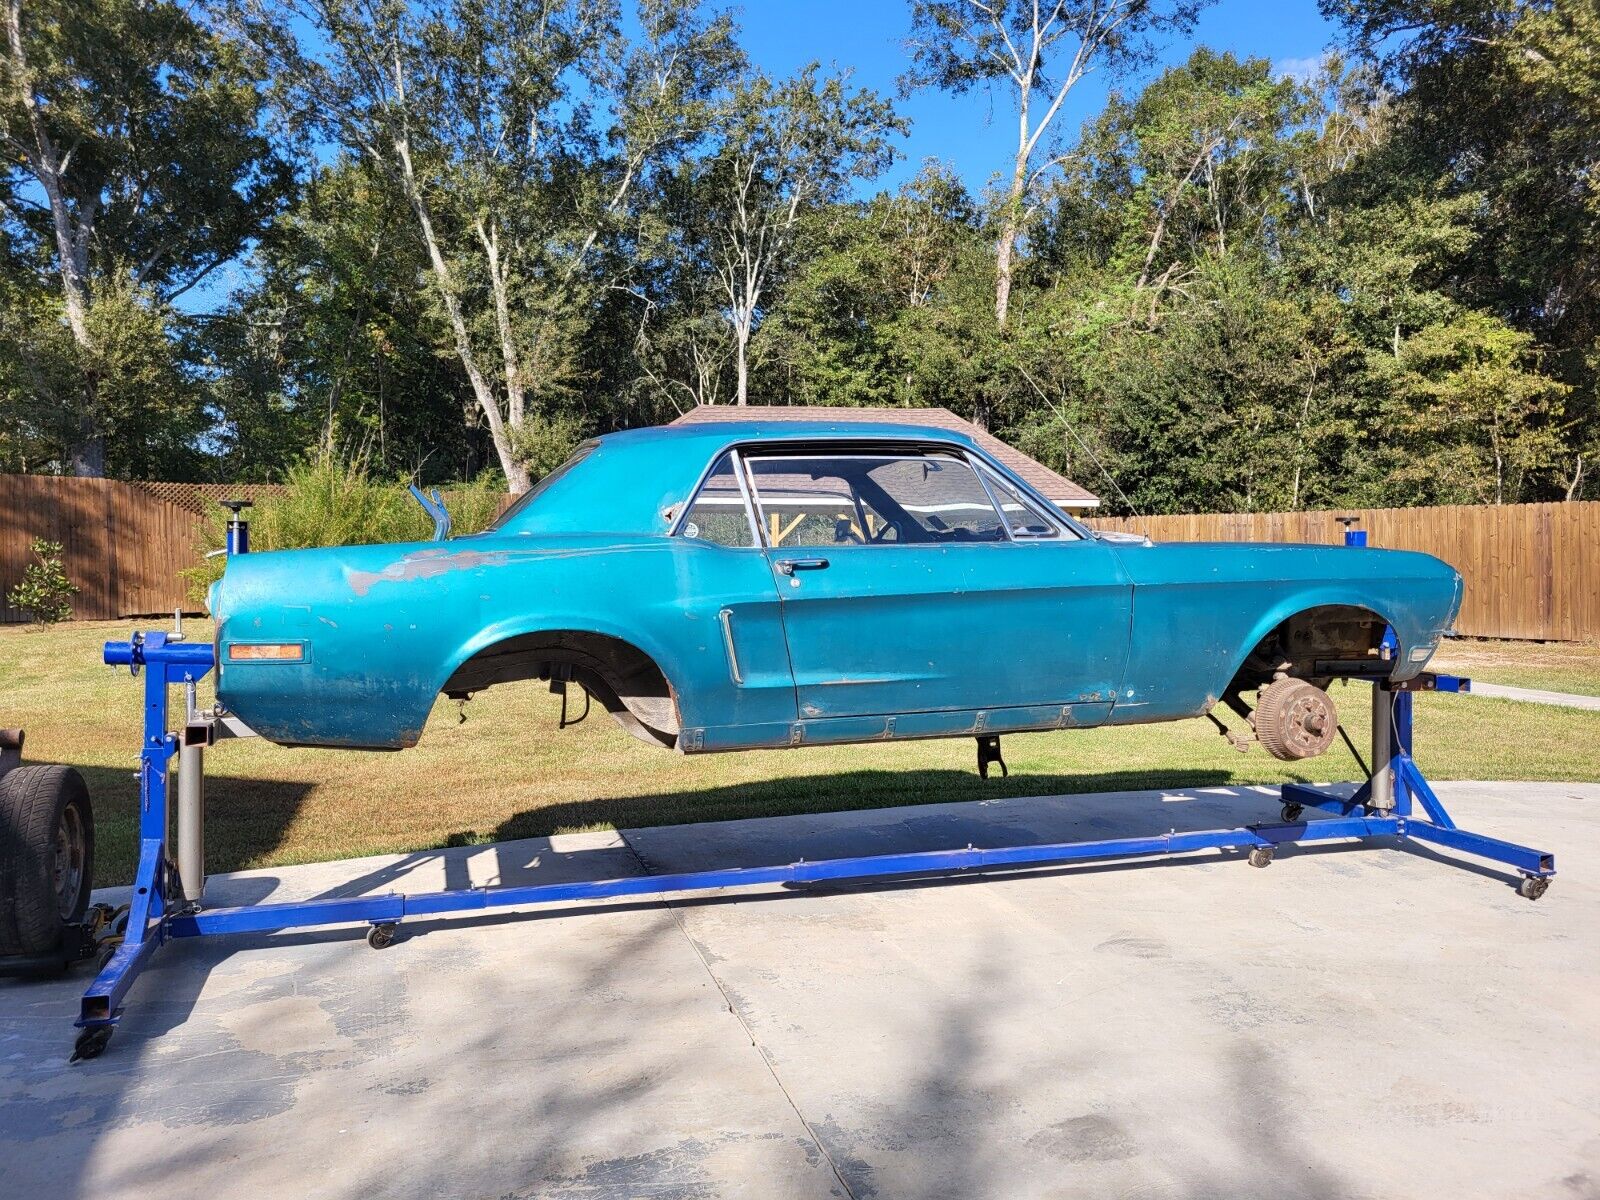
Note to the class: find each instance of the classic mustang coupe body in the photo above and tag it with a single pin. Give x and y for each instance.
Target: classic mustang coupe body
(762, 584)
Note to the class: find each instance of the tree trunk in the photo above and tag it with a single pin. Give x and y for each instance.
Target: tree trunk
(87, 454)
(1002, 271)
(1011, 228)
(517, 480)
(742, 397)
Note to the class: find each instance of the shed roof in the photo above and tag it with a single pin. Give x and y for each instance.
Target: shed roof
(1051, 486)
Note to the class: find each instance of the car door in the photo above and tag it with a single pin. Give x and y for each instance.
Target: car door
(903, 589)
(736, 687)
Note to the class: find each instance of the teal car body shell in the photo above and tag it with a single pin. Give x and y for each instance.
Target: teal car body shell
(889, 641)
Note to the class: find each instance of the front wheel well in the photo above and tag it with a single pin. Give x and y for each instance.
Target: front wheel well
(1332, 640)
(626, 680)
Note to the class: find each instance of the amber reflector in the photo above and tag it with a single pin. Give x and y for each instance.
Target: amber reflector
(266, 652)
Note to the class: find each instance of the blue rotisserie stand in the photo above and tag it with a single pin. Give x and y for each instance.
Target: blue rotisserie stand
(170, 878)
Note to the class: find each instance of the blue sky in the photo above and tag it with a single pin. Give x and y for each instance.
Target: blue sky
(973, 133)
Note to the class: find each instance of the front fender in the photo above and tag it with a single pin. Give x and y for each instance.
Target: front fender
(1415, 614)
(1199, 611)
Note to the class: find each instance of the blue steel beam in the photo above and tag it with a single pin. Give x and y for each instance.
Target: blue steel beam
(392, 907)
(151, 923)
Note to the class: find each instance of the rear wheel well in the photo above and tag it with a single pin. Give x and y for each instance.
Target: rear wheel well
(626, 680)
(1331, 641)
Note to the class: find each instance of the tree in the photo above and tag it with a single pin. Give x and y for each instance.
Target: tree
(333, 344)
(519, 134)
(44, 590)
(786, 148)
(1496, 100)
(1041, 49)
(143, 127)
(1466, 416)
(873, 311)
(1215, 140)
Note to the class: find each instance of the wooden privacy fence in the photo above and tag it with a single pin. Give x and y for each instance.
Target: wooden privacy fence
(1532, 570)
(123, 544)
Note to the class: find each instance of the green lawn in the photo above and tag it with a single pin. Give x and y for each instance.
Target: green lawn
(1552, 666)
(507, 772)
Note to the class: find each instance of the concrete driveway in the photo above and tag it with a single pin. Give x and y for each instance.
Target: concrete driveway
(1346, 1023)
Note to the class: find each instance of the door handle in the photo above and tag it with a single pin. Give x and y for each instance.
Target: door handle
(788, 566)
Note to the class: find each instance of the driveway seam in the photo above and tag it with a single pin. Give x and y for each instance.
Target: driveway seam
(727, 1002)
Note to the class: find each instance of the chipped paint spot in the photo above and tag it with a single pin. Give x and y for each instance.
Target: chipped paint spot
(425, 564)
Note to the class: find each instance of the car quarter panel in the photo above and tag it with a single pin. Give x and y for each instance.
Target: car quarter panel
(1200, 608)
(385, 626)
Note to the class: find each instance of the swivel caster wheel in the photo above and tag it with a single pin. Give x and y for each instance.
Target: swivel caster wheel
(91, 1043)
(1533, 886)
(1292, 811)
(1260, 856)
(380, 936)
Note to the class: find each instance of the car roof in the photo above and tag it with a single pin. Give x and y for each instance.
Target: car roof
(730, 432)
(633, 481)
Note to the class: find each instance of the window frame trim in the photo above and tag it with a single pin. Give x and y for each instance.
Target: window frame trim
(984, 470)
(752, 525)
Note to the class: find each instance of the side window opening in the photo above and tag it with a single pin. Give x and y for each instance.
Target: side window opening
(718, 514)
(1023, 516)
(872, 499)
(943, 495)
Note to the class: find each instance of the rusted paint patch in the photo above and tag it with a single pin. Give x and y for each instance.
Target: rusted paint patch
(425, 564)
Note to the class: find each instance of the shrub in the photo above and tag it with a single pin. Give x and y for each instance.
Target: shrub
(329, 501)
(45, 590)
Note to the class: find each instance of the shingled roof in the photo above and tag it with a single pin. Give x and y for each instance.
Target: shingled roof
(1061, 492)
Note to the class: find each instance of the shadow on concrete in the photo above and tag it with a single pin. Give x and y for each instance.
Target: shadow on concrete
(62, 1113)
(960, 1120)
(844, 791)
(246, 819)
(55, 1118)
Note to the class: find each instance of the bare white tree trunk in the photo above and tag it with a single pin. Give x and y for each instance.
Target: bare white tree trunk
(499, 288)
(1024, 61)
(49, 166)
(482, 390)
(1010, 230)
(1166, 209)
(751, 246)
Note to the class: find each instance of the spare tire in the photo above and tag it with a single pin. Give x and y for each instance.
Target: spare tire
(1295, 719)
(46, 856)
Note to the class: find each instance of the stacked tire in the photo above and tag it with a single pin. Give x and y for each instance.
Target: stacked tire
(46, 857)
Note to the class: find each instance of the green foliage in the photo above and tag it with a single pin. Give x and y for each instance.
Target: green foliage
(131, 386)
(545, 442)
(337, 345)
(329, 501)
(1497, 103)
(137, 159)
(44, 591)
(542, 222)
(1468, 417)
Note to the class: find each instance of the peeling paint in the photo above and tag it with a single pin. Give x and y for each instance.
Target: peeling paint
(425, 564)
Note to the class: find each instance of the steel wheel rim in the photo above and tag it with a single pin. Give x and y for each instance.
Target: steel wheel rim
(70, 853)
